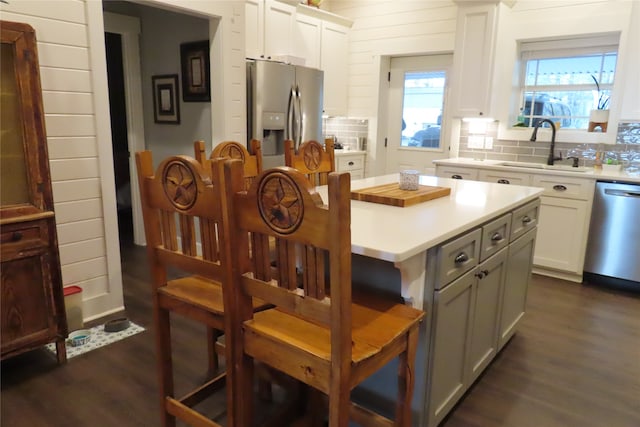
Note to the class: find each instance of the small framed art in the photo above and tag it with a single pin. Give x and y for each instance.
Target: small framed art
(194, 59)
(166, 105)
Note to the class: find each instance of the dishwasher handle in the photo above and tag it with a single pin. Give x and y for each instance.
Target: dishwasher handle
(622, 193)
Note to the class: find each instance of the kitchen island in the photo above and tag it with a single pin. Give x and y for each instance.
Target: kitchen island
(466, 260)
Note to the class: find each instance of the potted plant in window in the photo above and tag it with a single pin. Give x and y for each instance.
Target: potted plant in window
(599, 117)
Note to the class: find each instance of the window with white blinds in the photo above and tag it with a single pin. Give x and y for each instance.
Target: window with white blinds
(563, 80)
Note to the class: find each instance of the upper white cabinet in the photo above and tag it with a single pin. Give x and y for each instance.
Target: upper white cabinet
(630, 99)
(254, 28)
(334, 60)
(286, 31)
(269, 29)
(322, 39)
(473, 58)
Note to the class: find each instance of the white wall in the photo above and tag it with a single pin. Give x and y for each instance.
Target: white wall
(73, 72)
(385, 28)
(382, 29)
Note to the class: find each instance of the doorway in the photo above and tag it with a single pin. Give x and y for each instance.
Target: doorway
(127, 123)
(119, 137)
(417, 116)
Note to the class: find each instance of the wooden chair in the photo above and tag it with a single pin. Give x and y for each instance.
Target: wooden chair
(319, 332)
(233, 150)
(181, 205)
(312, 160)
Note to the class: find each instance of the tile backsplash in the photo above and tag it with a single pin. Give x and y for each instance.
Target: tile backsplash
(536, 152)
(346, 130)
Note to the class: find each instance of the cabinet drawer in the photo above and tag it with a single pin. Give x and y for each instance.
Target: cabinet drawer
(565, 187)
(524, 219)
(349, 163)
(357, 174)
(458, 256)
(495, 236)
(22, 237)
(504, 177)
(457, 173)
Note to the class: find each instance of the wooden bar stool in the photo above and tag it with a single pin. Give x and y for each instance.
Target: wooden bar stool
(319, 332)
(185, 228)
(311, 159)
(233, 150)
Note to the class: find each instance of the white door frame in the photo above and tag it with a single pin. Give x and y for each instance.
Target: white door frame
(396, 156)
(129, 29)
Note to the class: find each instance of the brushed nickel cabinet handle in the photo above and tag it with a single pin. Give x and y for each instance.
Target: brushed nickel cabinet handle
(456, 177)
(496, 237)
(560, 187)
(503, 181)
(526, 219)
(461, 257)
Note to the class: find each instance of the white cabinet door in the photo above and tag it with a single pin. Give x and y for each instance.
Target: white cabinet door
(562, 228)
(334, 60)
(254, 28)
(516, 285)
(473, 61)
(453, 311)
(484, 338)
(278, 29)
(307, 43)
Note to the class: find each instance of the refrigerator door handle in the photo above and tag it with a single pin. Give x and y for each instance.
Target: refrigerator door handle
(300, 118)
(288, 134)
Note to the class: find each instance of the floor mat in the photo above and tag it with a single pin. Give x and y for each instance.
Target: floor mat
(99, 338)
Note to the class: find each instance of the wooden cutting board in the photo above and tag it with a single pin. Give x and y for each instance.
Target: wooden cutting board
(391, 194)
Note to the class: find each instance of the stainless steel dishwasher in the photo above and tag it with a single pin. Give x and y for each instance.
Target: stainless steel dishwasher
(613, 248)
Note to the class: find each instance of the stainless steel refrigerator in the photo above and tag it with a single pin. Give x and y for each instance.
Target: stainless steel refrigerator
(283, 102)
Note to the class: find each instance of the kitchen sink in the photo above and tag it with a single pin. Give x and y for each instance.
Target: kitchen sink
(526, 165)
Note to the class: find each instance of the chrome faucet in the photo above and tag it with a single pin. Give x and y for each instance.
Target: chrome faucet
(552, 157)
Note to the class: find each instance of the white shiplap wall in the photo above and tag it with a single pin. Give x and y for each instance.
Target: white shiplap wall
(73, 77)
(68, 98)
(382, 29)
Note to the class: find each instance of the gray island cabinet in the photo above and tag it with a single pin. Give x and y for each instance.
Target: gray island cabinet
(465, 259)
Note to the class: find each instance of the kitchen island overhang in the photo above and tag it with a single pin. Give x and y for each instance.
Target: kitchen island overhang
(403, 235)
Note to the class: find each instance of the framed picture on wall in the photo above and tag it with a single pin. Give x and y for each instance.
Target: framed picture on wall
(194, 60)
(166, 105)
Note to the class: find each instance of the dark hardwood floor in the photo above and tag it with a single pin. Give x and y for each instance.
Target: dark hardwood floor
(574, 363)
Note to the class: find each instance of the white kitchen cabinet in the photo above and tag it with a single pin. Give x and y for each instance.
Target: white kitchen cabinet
(254, 28)
(308, 42)
(455, 172)
(483, 344)
(352, 163)
(565, 213)
(516, 285)
(279, 29)
(322, 39)
(269, 29)
(562, 237)
(334, 61)
(453, 314)
(630, 99)
(476, 27)
(473, 300)
(503, 177)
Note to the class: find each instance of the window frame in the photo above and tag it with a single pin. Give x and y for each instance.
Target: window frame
(573, 43)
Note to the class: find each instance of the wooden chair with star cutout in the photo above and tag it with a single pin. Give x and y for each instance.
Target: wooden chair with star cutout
(311, 159)
(185, 228)
(320, 332)
(233, 150)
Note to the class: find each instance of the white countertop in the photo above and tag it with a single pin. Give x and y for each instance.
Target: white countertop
(592, 173)
(395, 234)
